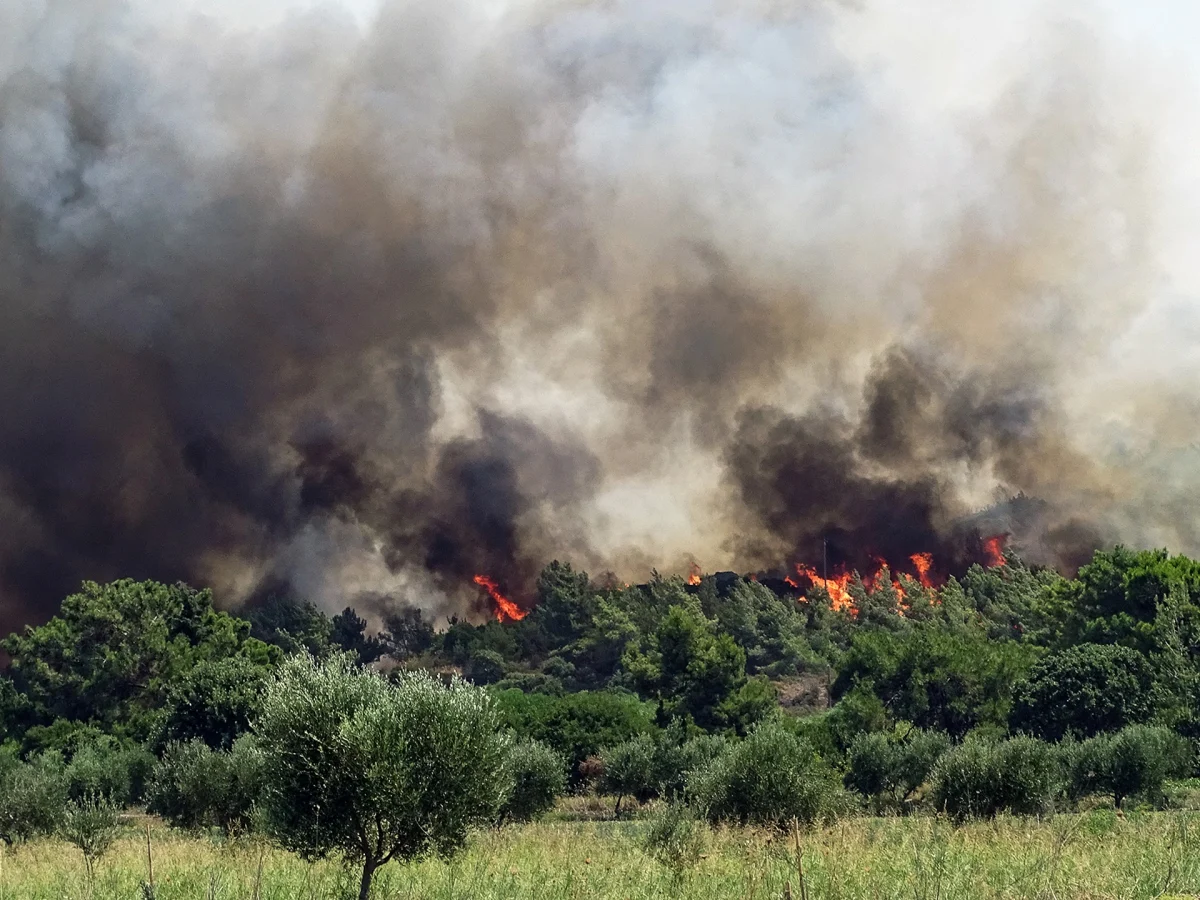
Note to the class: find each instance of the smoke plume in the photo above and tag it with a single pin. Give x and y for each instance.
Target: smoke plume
(372, 300)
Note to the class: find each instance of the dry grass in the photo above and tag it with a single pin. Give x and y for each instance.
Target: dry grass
(1085, 857)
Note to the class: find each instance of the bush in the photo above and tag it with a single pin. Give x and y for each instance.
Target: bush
(1027, 776)
(539, 776)
(91, 825)
(675, 762)
(484, 667)
(1085, 690)
(979, 779)
(629, 771)
(195, 786)
(99, 770)
(675, 838)
(1084, 766)
(213, 701)
(33, 796)
(1139, 759)
(890, 768)
(769, 778)
(576, 725)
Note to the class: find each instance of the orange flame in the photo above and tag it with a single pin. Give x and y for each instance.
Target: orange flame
(993, 549)
(923, 563)
(836, 587)
(693, 574)
(505, 608)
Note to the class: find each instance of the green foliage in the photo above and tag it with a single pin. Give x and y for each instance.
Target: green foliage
(348, 632)
(770, 778)
(91, 824)
(1115, 597)
(576, 725)
(114, 651)
(695, 671)
(374, 770)
(936, 679)
(677, 757)
(1138, 759)
(213, 702)
(484, 667)
(100, 770)
(539, 777)
(33, 796)
(980, 778)
(407, 633)
(629, 770)
(196, 787)
(293, 625)
(675, 838)
(891, 767)
(1085, 690)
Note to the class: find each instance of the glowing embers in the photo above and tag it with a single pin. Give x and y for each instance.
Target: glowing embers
(506, 610)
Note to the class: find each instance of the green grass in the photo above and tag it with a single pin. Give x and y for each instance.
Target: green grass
(1093, 855)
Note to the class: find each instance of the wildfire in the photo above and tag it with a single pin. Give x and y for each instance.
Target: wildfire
(993, 549)
(693, 574)
(506, 610)
(837, 587)
(923, 562)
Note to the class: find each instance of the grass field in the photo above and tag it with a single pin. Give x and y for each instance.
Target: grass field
(1091, 855)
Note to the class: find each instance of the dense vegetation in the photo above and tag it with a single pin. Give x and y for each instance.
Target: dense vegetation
(1009, 691)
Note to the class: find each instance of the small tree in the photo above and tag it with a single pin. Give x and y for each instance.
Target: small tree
(376, 771)
(979, 778)
(32, 797)
(629, 771)
(91, 825)
(539, 776)
(771, 778)
(1139, 760)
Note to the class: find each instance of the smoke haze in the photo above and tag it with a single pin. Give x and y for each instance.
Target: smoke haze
(367, 300)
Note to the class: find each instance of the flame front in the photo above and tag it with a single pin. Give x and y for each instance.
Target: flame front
(693, 574)
(923, 562)
(837, 587)
(993, 549)
(506, 610)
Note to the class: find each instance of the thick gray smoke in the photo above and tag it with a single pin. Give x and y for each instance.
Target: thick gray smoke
(371, 301)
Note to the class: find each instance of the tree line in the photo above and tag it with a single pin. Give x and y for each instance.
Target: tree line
(1012, 689)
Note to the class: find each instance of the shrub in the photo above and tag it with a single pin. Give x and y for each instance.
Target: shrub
(195, 786)
(1084, 766)
(99, 770)
(675, 838)
(1028, 777)
(1139, 759)
(375, 771)
(539, 776)
(979, 779)
(963, 782)
(32, 797)
(1085, 690)
(873, 764)
(675, 762)
(888, 767)
(484, 667)
(91, 825)
(629, 770)
(769, 778)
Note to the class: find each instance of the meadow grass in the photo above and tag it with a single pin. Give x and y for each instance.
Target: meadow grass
(1098, 854)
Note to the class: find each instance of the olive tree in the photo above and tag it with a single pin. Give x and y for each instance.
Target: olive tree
(376, 771)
